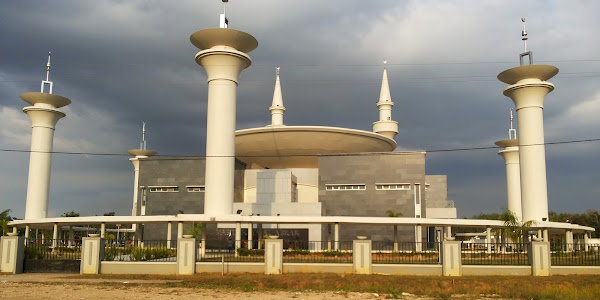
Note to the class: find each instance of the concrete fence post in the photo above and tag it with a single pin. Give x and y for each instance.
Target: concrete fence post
(361, 257)
(13, 248)
(539, 258)
(92, 254)
(274, 256)
(451, 258)
(186, 256)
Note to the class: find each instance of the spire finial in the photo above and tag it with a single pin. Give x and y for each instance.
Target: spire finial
(525, 52)
(224, 22)
(47, 81)
(277, 70)
(143, 143)
(384, 63)
(524, 35)
(512, 132)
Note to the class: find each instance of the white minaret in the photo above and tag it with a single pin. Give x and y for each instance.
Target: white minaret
(44, 115)
(528, 88)
(513, 176)
(142, 152)
(385, 126)
(224, 57)
(277, 109)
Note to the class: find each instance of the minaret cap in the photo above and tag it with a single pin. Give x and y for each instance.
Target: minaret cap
(277, 109)
(142, 151)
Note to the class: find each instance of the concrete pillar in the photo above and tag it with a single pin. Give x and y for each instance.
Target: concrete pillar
(44, 115)
(274, 256)
(102, 230)
(260, 235)
(336, 236)
(546, 237)
(528, 89)
(510, 154)
(138, 234)
(448, 233)
(27, 229)
(139, 154)
(238, 236)
(488, 239)
(249, 235)
(586, 241)
(569, 235)
(361, 257)
(71, 236)
(224, 57)
(186, 256)
(203, 240)
(55, 236)
(12, 253)
(539, 258)
(92, 254)
(179, 230)
(169, 233)
(328, 237)
(395, 238)
(451, 258)
(419, 245)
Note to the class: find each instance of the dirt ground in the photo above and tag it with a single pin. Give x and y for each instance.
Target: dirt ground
(57, 286)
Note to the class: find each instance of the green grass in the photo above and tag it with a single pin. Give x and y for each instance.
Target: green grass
(512, 287)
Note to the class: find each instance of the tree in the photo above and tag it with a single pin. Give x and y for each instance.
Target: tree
(513, 228)
(4, 219)
(392, 214)
(70, 214)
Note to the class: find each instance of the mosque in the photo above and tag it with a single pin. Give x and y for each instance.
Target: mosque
(299, 181)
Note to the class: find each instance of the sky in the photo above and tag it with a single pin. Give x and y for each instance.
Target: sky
(125, 62)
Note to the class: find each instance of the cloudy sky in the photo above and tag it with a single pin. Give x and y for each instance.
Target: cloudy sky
(124, 62)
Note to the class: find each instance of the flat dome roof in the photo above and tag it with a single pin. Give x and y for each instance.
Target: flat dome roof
(280, 147)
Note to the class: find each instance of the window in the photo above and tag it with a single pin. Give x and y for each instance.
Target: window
(195, 188)
(163, 189)
(392, 186)
(345, 187)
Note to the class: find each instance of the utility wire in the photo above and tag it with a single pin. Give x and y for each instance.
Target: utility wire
(307, 155)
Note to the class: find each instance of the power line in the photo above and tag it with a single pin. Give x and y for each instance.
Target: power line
(305, 155)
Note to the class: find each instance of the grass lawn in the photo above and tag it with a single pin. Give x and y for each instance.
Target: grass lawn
(512, 287)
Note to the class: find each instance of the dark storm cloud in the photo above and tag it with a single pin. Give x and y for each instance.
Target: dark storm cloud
(124, 62)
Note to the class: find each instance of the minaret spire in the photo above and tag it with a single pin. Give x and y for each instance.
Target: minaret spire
(47, 81)
(512, 132)
(277, 109)
(224, 22)
(385, 126)
(143, 142)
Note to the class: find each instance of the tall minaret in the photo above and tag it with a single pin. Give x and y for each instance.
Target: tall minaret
(44, 115)
(142, 152)
(513, 176)
(385, 126)
(277, 109)
(528, 88)
(224, 57)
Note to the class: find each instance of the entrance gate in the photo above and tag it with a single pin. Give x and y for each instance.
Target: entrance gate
(52, 256)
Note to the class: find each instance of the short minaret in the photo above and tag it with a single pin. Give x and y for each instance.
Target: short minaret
(223, 57)
(142, 152)
(277, 109)
(513, 175)
(385, 126)
(528, 88)
(44, 115)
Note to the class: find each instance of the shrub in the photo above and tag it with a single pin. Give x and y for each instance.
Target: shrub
(250, 252)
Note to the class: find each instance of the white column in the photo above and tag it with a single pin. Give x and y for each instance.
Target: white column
(586, 241)
(169, 233)
(43, 119)
(328, 237)
(395, 238)
(223, 64)
(71, 236)
(179, 230)
(528, 90)
(136, 181)
(203, 239)
(238, 236)
(102, 230)
(336, 236)
(27, 232)
(488, 239)
(55, 236)
(249, 235)
(419, 238)
(510, 154)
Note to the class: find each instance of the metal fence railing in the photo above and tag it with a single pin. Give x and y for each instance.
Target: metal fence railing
(226, 251)
(406, 253)
(574, 254)
(158, 251)
(52, 249)
(494, 254)
(318, 252)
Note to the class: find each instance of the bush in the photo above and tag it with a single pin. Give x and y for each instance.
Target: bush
(250, 252)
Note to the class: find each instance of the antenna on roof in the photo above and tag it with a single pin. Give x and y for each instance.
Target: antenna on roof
(224, 22)
(47, 81)
(512, 132)
(524, 39)
(143, 142)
